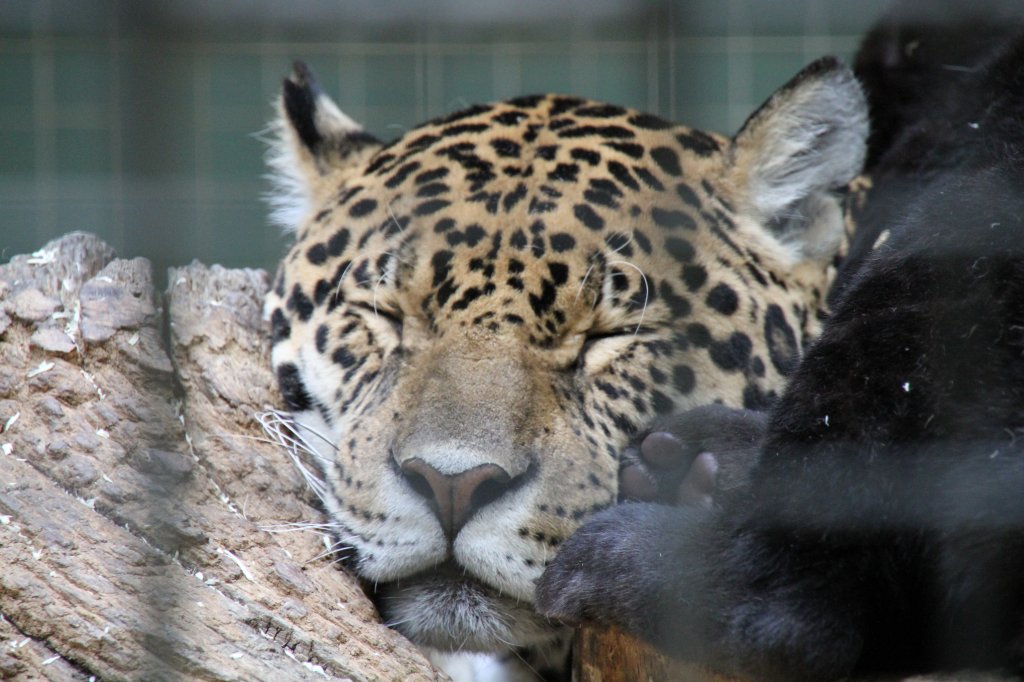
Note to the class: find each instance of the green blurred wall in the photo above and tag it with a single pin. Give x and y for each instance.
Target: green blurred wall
(140, 120)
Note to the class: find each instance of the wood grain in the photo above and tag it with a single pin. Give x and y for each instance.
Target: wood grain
(137, 497)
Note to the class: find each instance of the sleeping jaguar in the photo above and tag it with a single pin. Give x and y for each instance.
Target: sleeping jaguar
(479, 317)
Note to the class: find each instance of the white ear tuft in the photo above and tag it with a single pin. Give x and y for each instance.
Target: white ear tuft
(289, 197)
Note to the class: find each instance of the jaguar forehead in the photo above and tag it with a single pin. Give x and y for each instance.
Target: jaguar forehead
(526, 285)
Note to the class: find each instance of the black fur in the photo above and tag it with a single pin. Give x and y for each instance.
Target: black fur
(916, 63)
(300, 92)
(882, 530)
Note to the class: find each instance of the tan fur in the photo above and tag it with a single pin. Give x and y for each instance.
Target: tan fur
(552, 397)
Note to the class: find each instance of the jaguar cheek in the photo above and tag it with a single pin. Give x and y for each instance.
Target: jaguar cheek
(483, 314)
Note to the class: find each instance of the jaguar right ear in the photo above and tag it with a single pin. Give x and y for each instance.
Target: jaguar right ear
(313, 147)
(806, 141)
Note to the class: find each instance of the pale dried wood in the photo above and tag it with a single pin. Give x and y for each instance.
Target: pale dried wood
(136, 492)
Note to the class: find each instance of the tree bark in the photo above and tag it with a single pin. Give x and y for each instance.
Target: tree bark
(138, 495)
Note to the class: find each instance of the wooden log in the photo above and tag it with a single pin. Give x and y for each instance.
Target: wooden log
(137, 493)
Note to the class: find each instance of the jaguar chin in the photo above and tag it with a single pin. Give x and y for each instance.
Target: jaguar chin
(446, 608)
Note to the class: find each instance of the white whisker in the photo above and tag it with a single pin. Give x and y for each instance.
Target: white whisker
(243, 436)
(282, 428)
(293, 526)
(380, 280)
(401, 230)
(647, 291)
(337, 551)
(272, 420)
(583, 282)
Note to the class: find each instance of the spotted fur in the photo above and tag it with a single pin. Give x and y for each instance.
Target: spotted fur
(509, 294)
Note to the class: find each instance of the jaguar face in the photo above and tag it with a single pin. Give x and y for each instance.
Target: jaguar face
(478, 317)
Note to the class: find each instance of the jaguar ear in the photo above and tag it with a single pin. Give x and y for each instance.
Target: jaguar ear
(313, 146)
(806, 141)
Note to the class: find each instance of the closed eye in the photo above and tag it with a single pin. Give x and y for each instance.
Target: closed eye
(597, 338)
(594, 338)
(395, 318)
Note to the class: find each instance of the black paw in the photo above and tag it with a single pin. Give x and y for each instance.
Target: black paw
(686, 458)
(622, 567)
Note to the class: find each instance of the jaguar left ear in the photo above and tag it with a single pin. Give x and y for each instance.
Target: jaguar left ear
(313, 147)
(806, 141)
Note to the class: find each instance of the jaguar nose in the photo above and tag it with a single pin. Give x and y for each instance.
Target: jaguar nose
(454, 498)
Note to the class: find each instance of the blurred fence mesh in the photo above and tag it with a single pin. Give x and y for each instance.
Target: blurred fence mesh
(139, 119)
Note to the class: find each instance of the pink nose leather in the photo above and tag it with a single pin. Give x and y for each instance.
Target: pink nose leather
(454, 498)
